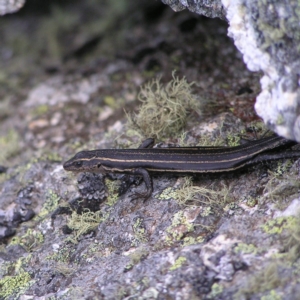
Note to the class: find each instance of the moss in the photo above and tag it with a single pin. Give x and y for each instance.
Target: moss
(111, 102)
(14, 285)
(178, 263)
(40, 110)
(233, 140)
(64, 269)
(31, 239)
(251, 202)
(139, 231)
(9, 145)
(201, 195)
(84, 223)
(113, 194)
(136, 257)
(179, 227)
(167, 194)
(216, 290)
(277, 225)
(280, 120)
(267, 279)
(51, 203)
(62, 255)
(282, 186)
(245, 249)
(165, 108)
(272, 295)
(189, 240)
(51, 156)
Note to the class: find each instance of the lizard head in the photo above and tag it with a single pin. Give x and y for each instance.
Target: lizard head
(84, 161)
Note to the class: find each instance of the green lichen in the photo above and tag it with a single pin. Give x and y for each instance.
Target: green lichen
(178, 263)
(30, 240)
(189, 240)
(167, 194)
(272, 295)
(9, 145)
(40, 110)
(277, 225)
(216, 290)
(136, 257)
(280, 120)
(245, 249)
(265, 280)
(62, 255)
(139, 231)
(14, 285)
(283, 185)
(51, 203)
(64, 269)
(201, 195)
(233, 140)
(165, 108)
(179, 227)
(251, 201)
(113, 194)
(84, 223)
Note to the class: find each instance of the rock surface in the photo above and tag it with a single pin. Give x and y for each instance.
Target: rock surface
(64, 87)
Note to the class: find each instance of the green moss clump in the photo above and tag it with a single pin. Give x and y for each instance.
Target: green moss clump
(13, 285)
(179, 227)
(51, 203)
(9, 144)
(267, 279)
(84, 223)
(276, 226)
(113, 195)
(139, 231)
(216, 290)
(178, 263)
(245, 249)
(165, 108)
(202, 195)
(31, 239)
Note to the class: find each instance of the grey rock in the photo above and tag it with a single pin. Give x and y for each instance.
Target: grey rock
(211, 9)
(10, 6)
(267, 34)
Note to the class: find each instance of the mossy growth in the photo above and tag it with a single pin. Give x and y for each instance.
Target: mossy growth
(136, 257)
(14, 285)
(11, 286)
(179, 227)
(40, 110)
(245, 248)
(188, 194)
(113, 194)
(139, 231)
(165, 108)
(51, 203)
(9, 144)
(30, 240)
(272, 295)
(265, 280)
(84, 223)
(282, 186)
(216, 290)
(277, 225)
(62, 255)
(178, 263)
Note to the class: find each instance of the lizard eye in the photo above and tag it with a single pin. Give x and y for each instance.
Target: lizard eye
(78, 164)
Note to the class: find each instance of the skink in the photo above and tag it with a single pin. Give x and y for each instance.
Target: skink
(146, 159)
